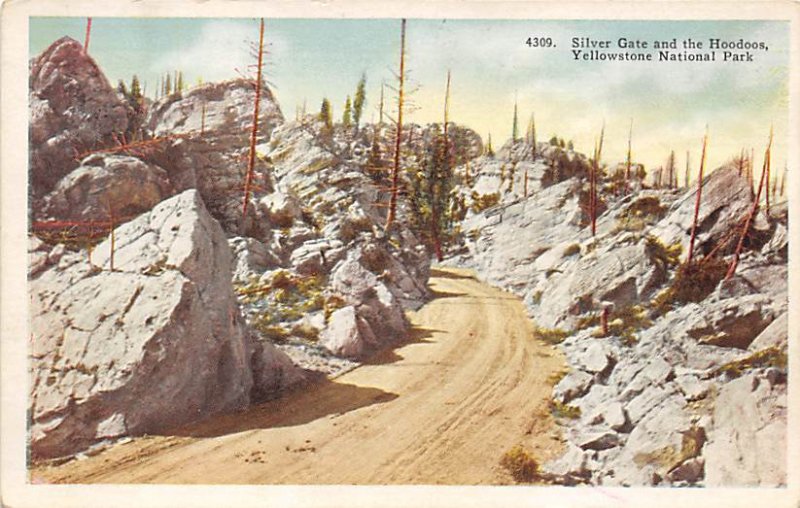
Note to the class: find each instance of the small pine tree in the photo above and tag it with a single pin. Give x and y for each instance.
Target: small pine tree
(122, 88)
(570, 146)
(553, 141)
(360, 99)
(489, 149)
(326, 115)
(136, 89)
(179, 83)
(347, 118)
(168, 85)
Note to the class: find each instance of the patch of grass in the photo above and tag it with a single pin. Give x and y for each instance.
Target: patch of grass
(774, 356)
(561, 410)
(353, 226)
(520, 464)
(640, 214)
(661, 255)
(481, 202)
(550, 335)
(536, 297)
(305, 331)
(691, 283)
(332, 303)
(571, 250)
(556, 377)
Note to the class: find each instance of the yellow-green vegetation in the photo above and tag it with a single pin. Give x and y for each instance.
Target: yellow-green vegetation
(662, 255)
(536, 297)
(520, 464)
(550, 335)
(285, 297)
(640, 214)
(317, 165)
(572, 249)
(556, 376)
(623, 322)
(330, 305)
(774, 356)
(560, 410)
(669, 456)
(481, 202)
(352, 226)
(691, 283)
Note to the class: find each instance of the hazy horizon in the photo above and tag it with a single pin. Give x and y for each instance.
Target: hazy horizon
(670, 103)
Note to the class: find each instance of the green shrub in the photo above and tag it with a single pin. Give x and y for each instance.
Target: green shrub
(561, 410)
(550, 335)
(641, 213)
(774, 356)
(481, 202)
(522, 466)
(305, 331)
(661, 255)
(691, 283)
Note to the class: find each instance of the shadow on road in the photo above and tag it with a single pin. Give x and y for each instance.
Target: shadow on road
(416, 335)
(322, 398)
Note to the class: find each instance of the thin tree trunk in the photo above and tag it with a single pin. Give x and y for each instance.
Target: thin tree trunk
(254, 131)
(753, 210)
(697, 201)
(398, 138)
(88, 35)
(768, 176)
(628, 160)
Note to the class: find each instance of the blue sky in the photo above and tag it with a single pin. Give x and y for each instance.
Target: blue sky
(670, 103)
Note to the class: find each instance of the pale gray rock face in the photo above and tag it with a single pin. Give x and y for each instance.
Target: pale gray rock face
(157, 342)
(637, 394)
(211, 155)
(725, 201)
(747, 445)
(348, 334)
(73, 109)
(106, 186)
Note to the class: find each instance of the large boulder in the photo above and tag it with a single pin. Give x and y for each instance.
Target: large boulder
(156, 342)
(726, 199)
(211, 129)
(73, 108)
(747, 446)
(106, 185)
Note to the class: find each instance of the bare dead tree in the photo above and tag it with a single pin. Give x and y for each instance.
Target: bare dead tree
(698, 199)
(399, 133)
(753, 210)
(88, 35)
(254, 131)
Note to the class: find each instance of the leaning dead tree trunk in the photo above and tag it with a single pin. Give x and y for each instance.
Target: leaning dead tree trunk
(88, 35)
(753, 210)
(697, 200)
(254, 131)
(593, 181)
(399, 134)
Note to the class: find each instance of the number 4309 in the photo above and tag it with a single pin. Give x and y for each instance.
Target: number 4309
(540, 42)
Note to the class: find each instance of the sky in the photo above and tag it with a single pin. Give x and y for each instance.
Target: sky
(670, 103)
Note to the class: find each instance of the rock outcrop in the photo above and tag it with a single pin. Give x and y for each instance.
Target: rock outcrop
(106, 186)
(211, 123)
(73, 109)
(655, 400)
(156, 342)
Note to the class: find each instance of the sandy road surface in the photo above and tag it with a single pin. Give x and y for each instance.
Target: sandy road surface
(441, 409)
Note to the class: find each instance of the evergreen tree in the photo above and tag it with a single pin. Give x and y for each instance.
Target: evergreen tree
(136, 89)
(326, 115)
(360, 99)
(489, 149)
(168, 85)
(347, 118)
(122, 89)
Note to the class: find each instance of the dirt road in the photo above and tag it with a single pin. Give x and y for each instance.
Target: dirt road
(441, 409)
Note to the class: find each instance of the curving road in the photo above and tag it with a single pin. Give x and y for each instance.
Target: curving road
(469, 384)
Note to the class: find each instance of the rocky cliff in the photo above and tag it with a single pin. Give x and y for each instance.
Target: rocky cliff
(652, 401)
